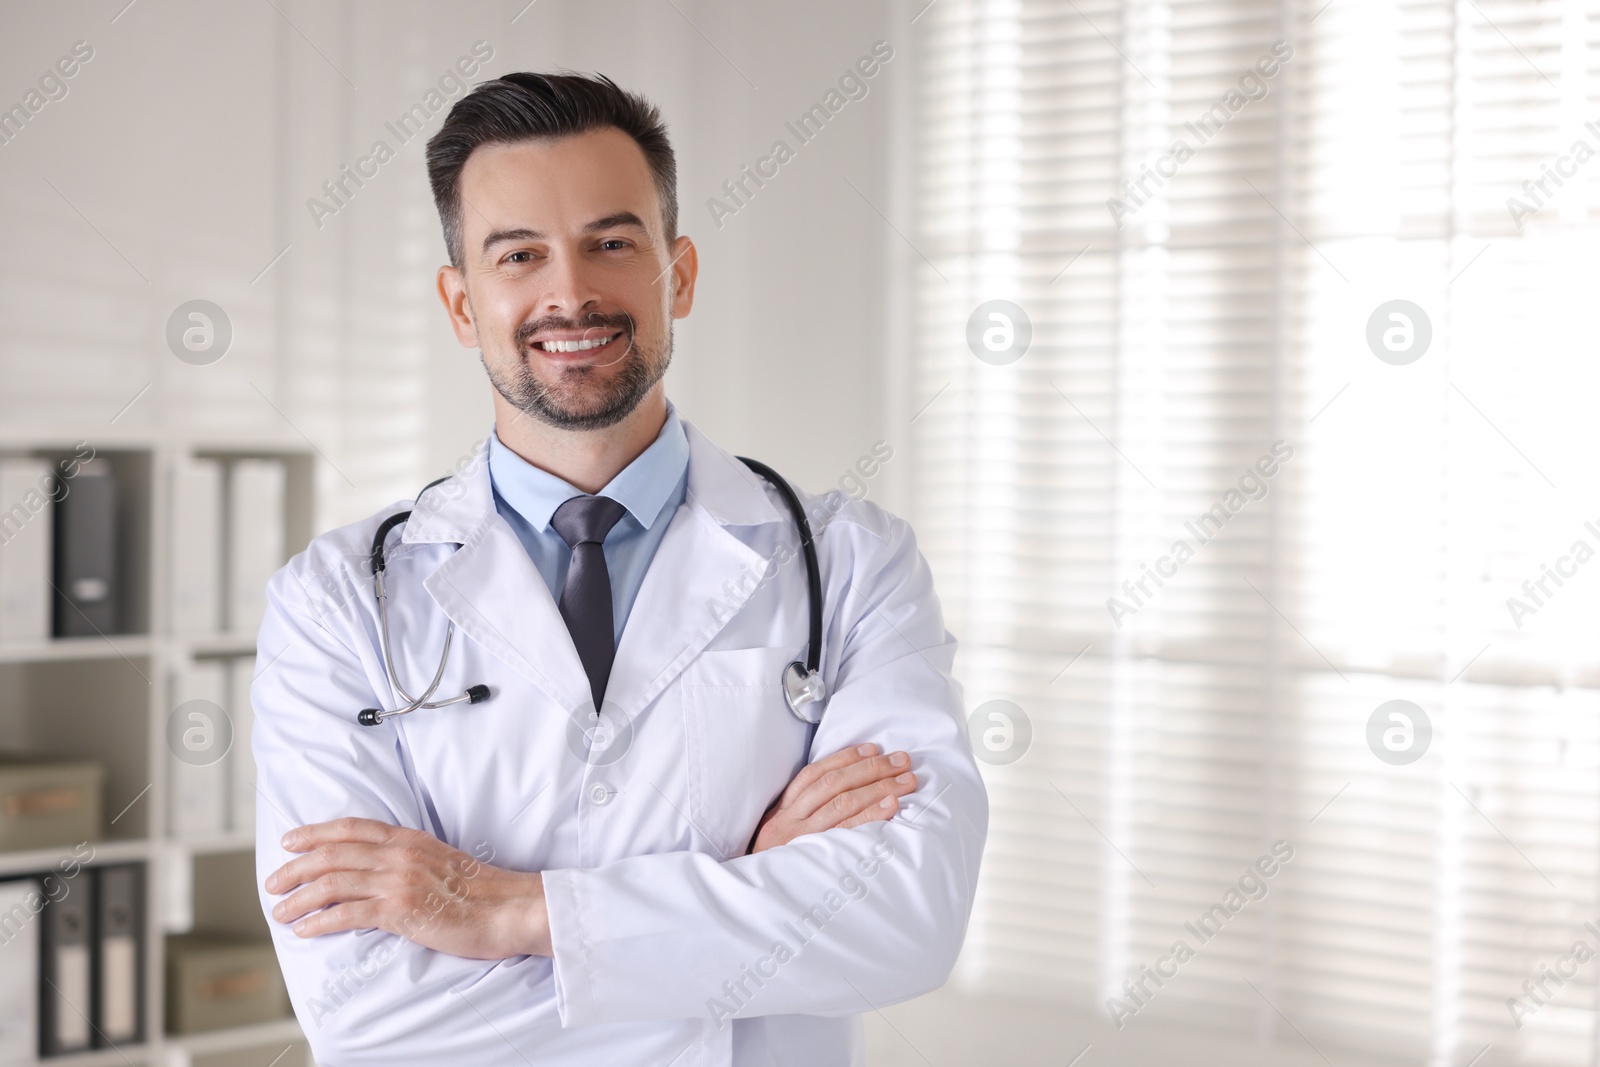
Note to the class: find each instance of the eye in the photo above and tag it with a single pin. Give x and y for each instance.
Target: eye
(512, 258)
(613, 244)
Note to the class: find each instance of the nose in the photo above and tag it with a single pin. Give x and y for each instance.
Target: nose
(570, 290)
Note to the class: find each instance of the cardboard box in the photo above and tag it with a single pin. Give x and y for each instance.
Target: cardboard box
(47, 802)
(222, 980)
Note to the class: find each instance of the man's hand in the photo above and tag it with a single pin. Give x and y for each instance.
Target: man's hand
(368, 875)
(848, 788)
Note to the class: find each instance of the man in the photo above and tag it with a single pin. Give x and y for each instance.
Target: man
(612, 859)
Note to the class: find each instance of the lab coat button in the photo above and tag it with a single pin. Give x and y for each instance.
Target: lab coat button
(600, 793)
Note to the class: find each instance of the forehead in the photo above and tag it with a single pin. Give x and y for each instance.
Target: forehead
(556, 185)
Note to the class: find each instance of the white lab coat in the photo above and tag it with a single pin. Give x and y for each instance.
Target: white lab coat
(662, 927)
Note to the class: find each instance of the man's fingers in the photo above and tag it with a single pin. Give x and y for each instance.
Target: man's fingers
(304, 838)
(846, 806)
(843, 779)
(327, 859)
(332, 889)
(812, 771)
(356, 915)
(876, 813)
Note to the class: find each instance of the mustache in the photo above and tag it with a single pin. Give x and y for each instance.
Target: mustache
(595, 320)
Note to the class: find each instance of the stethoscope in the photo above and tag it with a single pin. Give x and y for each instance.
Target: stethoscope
(803, 688)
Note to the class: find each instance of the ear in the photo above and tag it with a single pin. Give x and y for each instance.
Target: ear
(453, 292)
(685, 269)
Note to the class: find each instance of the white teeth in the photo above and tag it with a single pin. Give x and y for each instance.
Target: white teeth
(573, 346)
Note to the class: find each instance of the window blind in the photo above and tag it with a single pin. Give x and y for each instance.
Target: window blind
(1190, 711)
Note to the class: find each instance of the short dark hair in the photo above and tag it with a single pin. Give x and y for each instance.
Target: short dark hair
(530, 107)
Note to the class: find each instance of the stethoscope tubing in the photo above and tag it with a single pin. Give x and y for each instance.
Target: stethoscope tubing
(814, 690)
(809, 549)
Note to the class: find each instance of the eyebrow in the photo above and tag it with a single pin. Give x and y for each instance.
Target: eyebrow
(609, 222)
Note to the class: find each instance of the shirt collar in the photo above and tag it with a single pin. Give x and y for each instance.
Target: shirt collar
(643, 486)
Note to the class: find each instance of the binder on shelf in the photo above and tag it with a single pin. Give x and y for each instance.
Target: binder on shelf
(86, 553)
(66, 992)
(175, 904)
(197, 763)
(255, 531)
(196, 561)
(27, 518)
(19, 972)
(241, 760)
(119, 955)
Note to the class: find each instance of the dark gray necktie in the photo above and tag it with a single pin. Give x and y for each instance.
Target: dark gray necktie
(583, 523)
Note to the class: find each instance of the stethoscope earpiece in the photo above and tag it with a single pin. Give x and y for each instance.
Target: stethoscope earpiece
(476, 694)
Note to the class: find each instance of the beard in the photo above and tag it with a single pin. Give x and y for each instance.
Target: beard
(582, 397)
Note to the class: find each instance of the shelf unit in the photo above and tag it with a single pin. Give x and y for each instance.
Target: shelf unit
(108, 698)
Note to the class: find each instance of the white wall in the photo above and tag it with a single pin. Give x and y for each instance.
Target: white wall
(183, 155)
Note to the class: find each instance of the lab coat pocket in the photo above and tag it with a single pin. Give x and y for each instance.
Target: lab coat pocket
(743, 744)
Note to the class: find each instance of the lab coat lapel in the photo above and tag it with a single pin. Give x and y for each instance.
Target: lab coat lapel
(490, 588)
(691, 589)
(495, 596)
(700, 577)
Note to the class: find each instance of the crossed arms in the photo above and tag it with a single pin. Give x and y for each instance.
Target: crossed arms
(401, 927)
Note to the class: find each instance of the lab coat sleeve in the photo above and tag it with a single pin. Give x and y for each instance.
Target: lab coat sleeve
(835, 923)
(361, 995)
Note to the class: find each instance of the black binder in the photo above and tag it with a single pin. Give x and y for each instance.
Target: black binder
(119, 955)
(66, 991)
(86, 554)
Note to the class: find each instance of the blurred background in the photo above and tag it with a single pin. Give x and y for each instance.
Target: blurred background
(1236, 368)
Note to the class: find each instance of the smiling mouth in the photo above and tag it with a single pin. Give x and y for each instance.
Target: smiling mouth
(576, 346)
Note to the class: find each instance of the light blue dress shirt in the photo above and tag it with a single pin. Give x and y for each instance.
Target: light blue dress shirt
(651, 488)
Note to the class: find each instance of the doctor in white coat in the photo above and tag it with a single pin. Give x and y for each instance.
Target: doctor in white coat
(502, 882)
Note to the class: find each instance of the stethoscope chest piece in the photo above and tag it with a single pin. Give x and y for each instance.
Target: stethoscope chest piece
(804, 692)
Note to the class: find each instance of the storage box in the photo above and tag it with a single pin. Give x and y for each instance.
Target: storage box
(46, 802)
(221, 980)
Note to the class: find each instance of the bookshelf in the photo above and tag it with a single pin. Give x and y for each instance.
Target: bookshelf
(108, 698)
